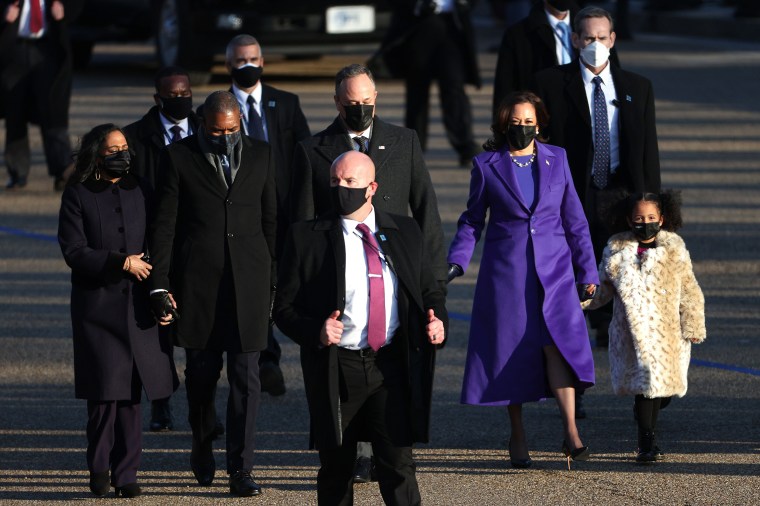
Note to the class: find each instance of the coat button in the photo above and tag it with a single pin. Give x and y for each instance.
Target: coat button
(122, 250)
(386, 198)
(121, 229)
(115, 191)
(532, 230)
(228, 202)
(230, 234)
(533, 218)
(117, 210)
(125, 291)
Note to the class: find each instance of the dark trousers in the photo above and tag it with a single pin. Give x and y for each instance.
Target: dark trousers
(31, 90)
(436, 54)
(373, 406)
(114, 439)
(201, 375)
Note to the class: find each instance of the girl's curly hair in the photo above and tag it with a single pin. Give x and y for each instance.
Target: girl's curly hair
(668, 202)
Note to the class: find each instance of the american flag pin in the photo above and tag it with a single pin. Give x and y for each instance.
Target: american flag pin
(272, 103)
(382, 237)
(628, 98)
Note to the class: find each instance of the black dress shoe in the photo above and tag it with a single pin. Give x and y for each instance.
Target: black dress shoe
(272, 380)
(363, 470)
(15, 183)
(202, 463)
(242, 484)
(518, 463)
(99, 484)
(128, 490)
(161, 416)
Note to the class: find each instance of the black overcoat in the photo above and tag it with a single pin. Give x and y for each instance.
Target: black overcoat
(404, 184)
(312, 285)
(202, 229)
(115, 334)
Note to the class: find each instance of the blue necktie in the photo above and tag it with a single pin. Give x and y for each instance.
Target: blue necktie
(564, 36)
(255, 125)
(601, 163)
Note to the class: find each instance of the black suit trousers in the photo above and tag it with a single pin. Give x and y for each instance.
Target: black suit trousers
(374, 408)
(201, 375)
(436, 54)
(27, 87)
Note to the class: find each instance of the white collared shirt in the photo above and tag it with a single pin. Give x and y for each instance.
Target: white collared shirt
(23, 21)
(356, 311)
(242, 98)
(167, 124)
(559, 47)
(610, 95)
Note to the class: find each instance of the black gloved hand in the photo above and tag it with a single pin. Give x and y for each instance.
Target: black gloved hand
(454, 272)
(161, 306)
(582, 294)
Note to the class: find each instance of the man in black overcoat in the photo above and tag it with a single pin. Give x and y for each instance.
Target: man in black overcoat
(213, 245)
(365, 376)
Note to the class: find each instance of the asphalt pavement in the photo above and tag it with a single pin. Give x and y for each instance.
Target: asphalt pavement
(708, 120)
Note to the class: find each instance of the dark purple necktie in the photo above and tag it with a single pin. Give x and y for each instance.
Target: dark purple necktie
(376, 323)
(176, 133)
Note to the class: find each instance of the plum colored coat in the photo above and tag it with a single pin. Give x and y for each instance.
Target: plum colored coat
(526, 294)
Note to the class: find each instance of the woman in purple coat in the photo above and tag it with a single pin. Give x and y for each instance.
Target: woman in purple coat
(528, 338)
(117, 351)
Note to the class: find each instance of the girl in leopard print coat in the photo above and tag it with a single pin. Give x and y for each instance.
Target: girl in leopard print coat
(658, 308)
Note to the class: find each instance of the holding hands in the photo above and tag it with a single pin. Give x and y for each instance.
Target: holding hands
(136, 266)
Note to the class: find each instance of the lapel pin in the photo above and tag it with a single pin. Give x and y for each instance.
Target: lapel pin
(382, 237)
(272, 103)
(628, 98)
(381, 147)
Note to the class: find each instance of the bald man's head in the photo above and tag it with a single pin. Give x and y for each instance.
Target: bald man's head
(352, 178)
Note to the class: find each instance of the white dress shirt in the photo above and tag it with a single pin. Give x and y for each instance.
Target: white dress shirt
(23, 21)
(356, 311)
(242, 98)
(564, 55)
(168, 125)
(610, 95)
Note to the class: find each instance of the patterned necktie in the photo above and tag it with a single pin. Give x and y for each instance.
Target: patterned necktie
(255, 125)
(35, 16)
(225, 161)
(376, 323)
(362, 144)
(601, 163)
(564, 35)
(176, 133)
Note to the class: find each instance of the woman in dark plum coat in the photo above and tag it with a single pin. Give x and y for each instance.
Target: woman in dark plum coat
(117, 351)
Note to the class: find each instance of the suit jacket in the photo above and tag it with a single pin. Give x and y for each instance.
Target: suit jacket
(403, 180)
(201, 229)
(286, 126)
(57, 49)
(562, 90)
(114, 331)
(146, 141)
(312, 285)
(390, 59)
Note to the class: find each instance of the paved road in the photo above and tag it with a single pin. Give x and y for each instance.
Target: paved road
(709, 129)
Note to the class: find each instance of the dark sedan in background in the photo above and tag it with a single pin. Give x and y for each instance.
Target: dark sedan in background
(191, 33)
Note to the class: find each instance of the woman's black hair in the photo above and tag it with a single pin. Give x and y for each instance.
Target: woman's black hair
(668, 202)
(87, 154)
(501, 118)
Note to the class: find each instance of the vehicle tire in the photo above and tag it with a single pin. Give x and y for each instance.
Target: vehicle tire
(175, 44)
(81, 53)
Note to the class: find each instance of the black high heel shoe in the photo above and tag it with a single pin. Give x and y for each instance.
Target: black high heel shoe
(579, 454)
(518, 463)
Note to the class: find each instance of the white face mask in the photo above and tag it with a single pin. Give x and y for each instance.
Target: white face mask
(595, 54)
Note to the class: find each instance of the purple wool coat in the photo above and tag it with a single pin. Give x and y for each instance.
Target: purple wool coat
(526, 294)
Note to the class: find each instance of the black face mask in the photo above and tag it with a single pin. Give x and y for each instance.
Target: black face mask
(223, 144)
(177, 108)
(520, 136)
(561, 5)
(645, 231)
(358, 117)
(347, 200)
(247, 76)
(116, 163)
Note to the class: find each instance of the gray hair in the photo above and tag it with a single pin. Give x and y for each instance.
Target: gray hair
(591, 12)
(220, 102)
(238, 41)
(353, 70)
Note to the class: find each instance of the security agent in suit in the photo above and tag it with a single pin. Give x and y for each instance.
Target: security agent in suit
(170, 120)
(213, 245)
(273, 116)
(365, 373)
(35, 84)
(404, 181)
(630, 159)
(433, 40)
